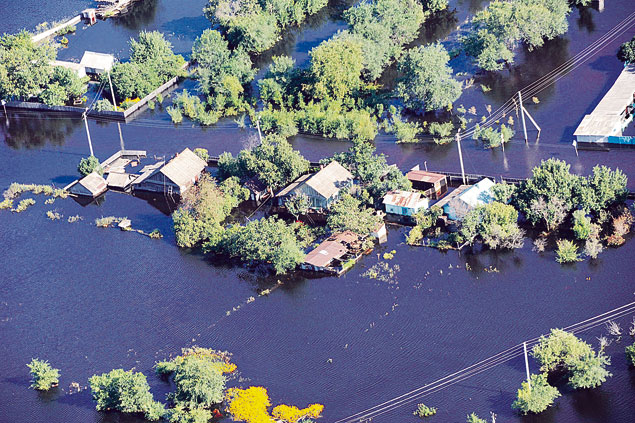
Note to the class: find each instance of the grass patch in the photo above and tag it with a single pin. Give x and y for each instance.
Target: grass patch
(23, 205)
(107, 222)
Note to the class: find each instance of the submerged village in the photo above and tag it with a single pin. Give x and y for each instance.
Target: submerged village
(268, 216)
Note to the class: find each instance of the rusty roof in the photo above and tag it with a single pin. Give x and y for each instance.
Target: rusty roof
(400, 198)
(325, 253)
(424, 176)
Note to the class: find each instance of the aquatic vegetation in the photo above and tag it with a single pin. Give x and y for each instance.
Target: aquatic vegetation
(175, 114)
(424, 411)
(473, 418)
(292, 414)
(66, 30)
(390, 255)
(43, 376)
(538, 397)
(49, 201)
(567, 251)
(107, 222)
(23, 205)
(383, 272)
(7, 203)
(74, 219)
(155, 234)
(125, 391)
(53, 215)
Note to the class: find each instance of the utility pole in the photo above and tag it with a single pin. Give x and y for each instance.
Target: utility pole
(458, 143)
(575, 145)
(6, 116)
(502, 141)
(259, 133)
(522, 114)
(527, 365)
(90, 143)
(114, 103)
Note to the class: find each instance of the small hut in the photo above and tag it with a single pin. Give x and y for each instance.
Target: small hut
(91, 185)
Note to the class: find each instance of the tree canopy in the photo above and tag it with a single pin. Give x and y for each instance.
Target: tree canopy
(347, 214)
(336, 67)
(626, 53)
(495, 224)
(427, 82)
(537, 398)
(43, 376)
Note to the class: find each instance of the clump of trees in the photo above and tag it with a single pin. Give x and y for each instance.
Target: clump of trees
(125, 391)
(538, 397)
(152, 63)
(255, 26)
(499, 28)
(427, 83)
(267, 240)
(492, 137)
(348, 214)
(274, 162)
(88, 165)
(26, 72)
(204, 208)
(495, 224)
(626, 53)
(43, 376)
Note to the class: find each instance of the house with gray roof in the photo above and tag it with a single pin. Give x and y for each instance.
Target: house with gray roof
(91, 185)
(173, 177)
(322, 188)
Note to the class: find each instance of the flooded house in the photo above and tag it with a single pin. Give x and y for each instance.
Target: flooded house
(97, 63)
(336, 254)
(91, 185)
(404, 203)
(323, 188)
(115, 168)
(606, 123)
(258, 191)
(174, 177)
(433, 185)
(466, 197)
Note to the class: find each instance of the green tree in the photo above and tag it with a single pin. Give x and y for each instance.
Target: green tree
(567, 251)
(538, 397)
(473, 418)
(180, 414)
(43, 376)
(298, 205)
(88, 165)
(626, 53)
(603, 188)
(495, 224)
(25, 68)
(202, 153)
(582, 226)
(589, 370)
(504, 192)
(427, 83)
(434, 6)
(347, 214)
(125, 391)
(336, 66)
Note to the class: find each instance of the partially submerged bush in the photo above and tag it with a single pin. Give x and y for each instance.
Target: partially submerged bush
(106, 222)
(53, 215)
(567, 251)
(43, 376)
(630, 354)
(537, 398)
(23, 205)
(424, 411)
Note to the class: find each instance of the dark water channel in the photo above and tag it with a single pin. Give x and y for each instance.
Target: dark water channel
(91, 299)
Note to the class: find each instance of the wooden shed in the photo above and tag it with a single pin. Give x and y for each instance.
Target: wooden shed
(434, 185)
(91, 185)
(175, 177)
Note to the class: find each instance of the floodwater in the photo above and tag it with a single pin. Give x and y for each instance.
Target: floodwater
(91, 299)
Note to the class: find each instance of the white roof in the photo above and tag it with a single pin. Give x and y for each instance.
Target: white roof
(479, 193)
(606, 115)
(97, 60)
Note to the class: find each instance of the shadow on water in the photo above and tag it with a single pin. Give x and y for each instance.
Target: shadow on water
(34, 130)
(140, 15)
(585, 19)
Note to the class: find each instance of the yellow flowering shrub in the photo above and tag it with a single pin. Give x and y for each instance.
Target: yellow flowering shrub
(292, 414)
(249, 405)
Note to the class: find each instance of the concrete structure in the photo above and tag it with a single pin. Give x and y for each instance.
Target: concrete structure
(91, 185)
(405, 203)
(175, 177)
(37, 38)
(464, 198)
(97, 63)
(322, 188)
(614, 112)
(434, 185)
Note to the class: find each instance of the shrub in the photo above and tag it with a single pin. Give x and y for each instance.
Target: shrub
(125, 391)
(175, 114)
(7, 203)
(567, 251)
(424, 411)
(292, 414)
(23, 205)
(630, 354)
(441, 131)
(537, 398)
(104, 105)
(249, 405)
(88, 165)
(53, 215)
(202, 153)
(582, 226)
(43, 376)
(473, 418)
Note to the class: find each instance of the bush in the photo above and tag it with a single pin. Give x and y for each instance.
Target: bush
(125, 391)
(537, 398)
(473, 418)
(175, 115)
(292, 414)
(626, 52)
(567, 251)
(424, 411)
(88, 165)
(23, 205)
(582, 226)
(43, 376)
(202, 153)
(104, 105)
(441, 131)
(630, 354)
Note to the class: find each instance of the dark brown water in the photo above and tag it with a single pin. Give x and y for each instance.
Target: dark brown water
(90, 299)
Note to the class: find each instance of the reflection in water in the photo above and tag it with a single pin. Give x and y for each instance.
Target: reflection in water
(585, 19)
(472, 5)
(141, 14)
(33, 130)
(532, 66)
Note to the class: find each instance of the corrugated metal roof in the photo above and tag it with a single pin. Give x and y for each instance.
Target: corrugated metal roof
(333, 248)
(451, 195)
(408, 199)
(329, 180)
(424, 176)
(184, 167)
(606, 115)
